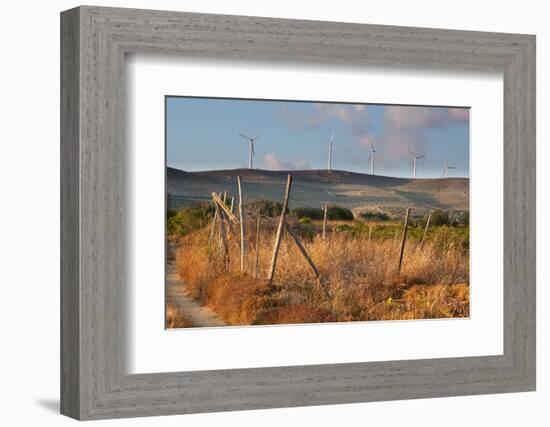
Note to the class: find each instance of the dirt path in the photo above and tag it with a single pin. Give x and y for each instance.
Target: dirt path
(175, 293)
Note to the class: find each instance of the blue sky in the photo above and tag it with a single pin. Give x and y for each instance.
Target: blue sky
(203, 134)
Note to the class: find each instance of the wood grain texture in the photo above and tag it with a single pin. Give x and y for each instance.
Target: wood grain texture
(70, 314)
(94, 270)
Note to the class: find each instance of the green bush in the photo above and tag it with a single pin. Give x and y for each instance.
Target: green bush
(440, 217)
(183, 221)
(266, 207)
(311, 213)
(339, 213)
(379, 216)
(304, 220)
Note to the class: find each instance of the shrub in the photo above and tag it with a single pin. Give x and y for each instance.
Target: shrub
(304, 220)
(460, 219)
(380, 216)
(339, 213)
(266, 207)
(311, 213)
(440, 217)
(183, 221)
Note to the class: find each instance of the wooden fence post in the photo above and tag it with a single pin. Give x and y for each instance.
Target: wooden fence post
(325, 209)
(224, 208)
(223, 236)
(257, 245)
(215, 219)
(370, 232)
(241, 221)
(404, 238)
(280, 231)
(302, 250)
(231, 208)
(425, 230)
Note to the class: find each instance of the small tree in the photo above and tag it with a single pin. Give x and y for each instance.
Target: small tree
(311, 213)
(335, 212)
(266, 207)
(440, 217)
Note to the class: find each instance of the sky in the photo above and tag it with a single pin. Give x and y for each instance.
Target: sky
(203, 134)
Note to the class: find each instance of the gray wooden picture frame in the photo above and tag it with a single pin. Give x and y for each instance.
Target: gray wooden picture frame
(94, 41)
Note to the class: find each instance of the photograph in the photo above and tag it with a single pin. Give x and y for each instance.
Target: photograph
(297, 212)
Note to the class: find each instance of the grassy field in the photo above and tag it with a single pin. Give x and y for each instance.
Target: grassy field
(357, 263)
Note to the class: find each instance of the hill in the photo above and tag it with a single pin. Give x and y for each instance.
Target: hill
(312, 188)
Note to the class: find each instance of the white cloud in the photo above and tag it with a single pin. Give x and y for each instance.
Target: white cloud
(356, 116)
(424, 117)
(272, 162)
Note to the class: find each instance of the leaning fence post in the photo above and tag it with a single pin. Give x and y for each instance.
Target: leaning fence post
(257, 245)
(223, 236)
(404, 238)
(425, 230)
(280, 230)
(302, 250)
(241, 222)
(325, 209)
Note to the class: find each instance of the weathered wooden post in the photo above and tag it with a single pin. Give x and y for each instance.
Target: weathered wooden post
(404, 238)
(223, 236)
(223, 207)
(425, 230)
(241, 222)
(280, 231)
(302, 250)
(215, 219)
(370, 232)
(325, 209)
(257, 245)
(231, 208)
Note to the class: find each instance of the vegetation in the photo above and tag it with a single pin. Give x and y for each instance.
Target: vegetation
(183, 221)
(375, 216)
(268, 208)
(336, 212)
(176, 318)
(311, 213)
(358, 276)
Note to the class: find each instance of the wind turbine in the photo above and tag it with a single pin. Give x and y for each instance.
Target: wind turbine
(330, 141)
(415, 157)
(251, 140)
(371, 157)
(446, 170)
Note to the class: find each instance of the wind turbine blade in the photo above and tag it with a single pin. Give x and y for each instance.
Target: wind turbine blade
(244, 136)
(253, 152)
(420, 157)
(258, 134)
(331, 138)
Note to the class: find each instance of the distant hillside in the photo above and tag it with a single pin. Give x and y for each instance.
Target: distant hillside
(313, 188)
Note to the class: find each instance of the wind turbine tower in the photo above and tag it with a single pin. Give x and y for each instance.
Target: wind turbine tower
(251, 152)
(371, 158)
(446, 170)
(330, 141)
(415, 157)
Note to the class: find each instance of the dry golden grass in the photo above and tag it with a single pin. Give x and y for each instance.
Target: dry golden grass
(358, 280)
(176, 318)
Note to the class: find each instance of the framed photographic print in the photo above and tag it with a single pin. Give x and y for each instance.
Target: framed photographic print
(262, 213)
